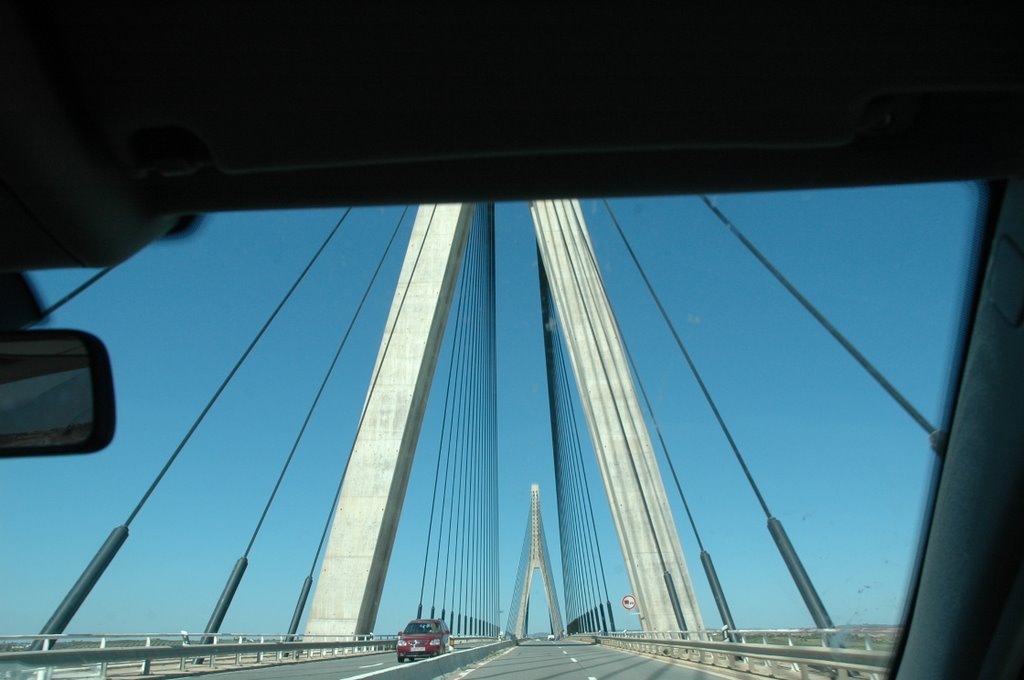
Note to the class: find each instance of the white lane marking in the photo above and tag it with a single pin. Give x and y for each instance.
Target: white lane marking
(564, 652)
(573, 660)
(591, 677)
(487, 661)
(373, 665)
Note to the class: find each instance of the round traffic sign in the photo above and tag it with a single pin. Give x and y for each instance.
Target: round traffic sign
(629, 602)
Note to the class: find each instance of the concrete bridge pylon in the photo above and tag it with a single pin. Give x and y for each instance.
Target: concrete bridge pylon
(351, 579)
(537, 561)
(636, 494)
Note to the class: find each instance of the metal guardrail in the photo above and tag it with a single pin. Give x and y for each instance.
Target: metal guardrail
(787, 661)
(136, 654)
(863, 637)
(791, 654)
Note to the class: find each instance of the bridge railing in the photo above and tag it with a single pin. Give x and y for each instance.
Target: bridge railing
(104, 655)
(882, 638)
(789, 654)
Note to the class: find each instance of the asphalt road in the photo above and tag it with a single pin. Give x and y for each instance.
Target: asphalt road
(535, 660)
(334, 669)
(576, 661)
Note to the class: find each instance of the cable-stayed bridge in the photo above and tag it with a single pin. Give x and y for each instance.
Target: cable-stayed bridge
(598, 407)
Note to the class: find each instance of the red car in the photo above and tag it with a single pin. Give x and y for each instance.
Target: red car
(423, 638)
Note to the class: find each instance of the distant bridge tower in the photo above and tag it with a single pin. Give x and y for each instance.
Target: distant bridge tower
(536, 558)
(639, 506)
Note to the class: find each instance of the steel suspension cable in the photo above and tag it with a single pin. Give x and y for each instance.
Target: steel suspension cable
(576, 456)
(574, 538)
(661, 440)
(467, 505)
(787, 551)
(98, 565)
(705, 557)
(477, 575)
(577, 445)
(481, 406)
(234, 369)
(71, 296)
(657, 427)
(559, 434)
(455, 512)
(693, 368)
(236, 575)
(445, 426)
(567, 534)
(670, 587)
(448, 422)
(472, 401)
(326, 379)
(570, 474)
(578, 477)
(547, 323)
(931, 430)
(494, 614)
(490, 500)
(362, 415)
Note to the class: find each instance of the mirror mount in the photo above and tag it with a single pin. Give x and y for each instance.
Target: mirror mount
(21, 306)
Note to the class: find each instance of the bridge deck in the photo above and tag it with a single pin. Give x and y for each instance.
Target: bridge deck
(578, 661)
(529, 661)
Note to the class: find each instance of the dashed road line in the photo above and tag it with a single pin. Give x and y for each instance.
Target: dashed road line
(484, 663)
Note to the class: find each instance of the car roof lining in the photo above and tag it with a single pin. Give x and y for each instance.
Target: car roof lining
(131, 115)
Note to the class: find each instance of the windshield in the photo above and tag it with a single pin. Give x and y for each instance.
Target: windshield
(742, 318)
(421, 628)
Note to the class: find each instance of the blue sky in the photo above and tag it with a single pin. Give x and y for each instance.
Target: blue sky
(839, 463)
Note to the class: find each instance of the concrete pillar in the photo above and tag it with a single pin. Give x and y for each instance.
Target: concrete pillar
(352, 575)
(538, 560)
(639, 506)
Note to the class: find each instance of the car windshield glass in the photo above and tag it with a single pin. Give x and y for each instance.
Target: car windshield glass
(421, 629)
(782, 365)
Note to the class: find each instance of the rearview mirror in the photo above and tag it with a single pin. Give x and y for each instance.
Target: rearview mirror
(56, 393)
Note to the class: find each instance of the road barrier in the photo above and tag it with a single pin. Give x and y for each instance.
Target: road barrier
(138, 654)
(784, 661)
(128, 655)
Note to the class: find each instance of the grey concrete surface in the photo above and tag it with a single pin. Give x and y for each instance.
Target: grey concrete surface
(639, 506)
(574, 661)
(334, 669)
(348, 590)
(538, 562)
(384, 666)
